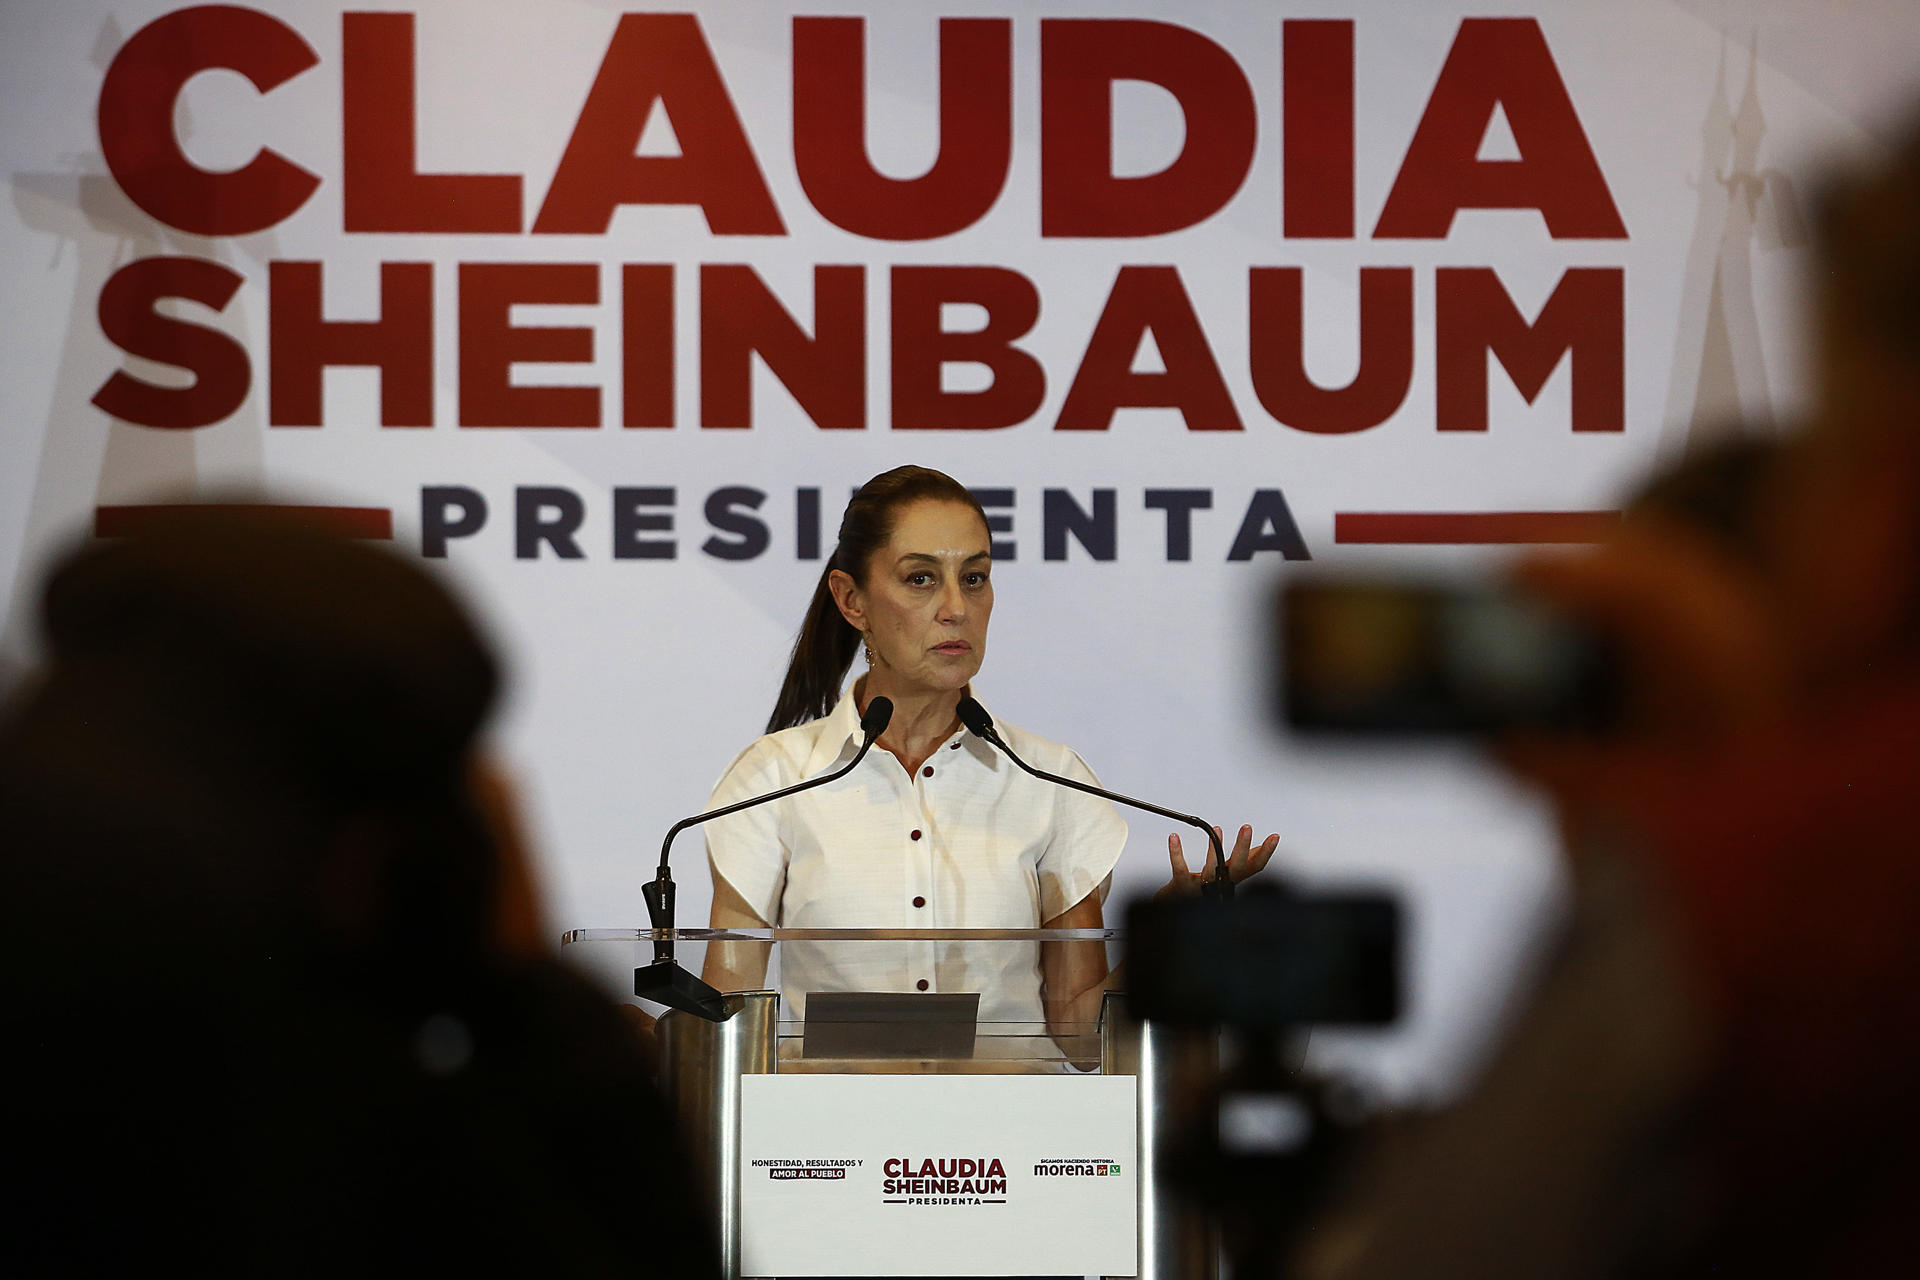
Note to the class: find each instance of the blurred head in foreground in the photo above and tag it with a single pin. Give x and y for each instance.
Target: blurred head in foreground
(1849, 541)
(250, 905)
(1767, 582)
(247, 727)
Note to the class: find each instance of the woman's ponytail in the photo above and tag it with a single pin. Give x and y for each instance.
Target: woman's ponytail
(824, 651)
(822, 655)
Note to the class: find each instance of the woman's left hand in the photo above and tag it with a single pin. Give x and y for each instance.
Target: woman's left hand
(1246, 859)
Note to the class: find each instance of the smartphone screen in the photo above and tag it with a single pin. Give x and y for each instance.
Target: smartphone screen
(1381, 657)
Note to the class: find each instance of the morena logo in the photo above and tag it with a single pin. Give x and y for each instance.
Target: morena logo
(1076, 1169)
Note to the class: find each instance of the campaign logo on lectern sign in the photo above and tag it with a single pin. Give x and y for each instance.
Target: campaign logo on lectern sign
(945, 1180)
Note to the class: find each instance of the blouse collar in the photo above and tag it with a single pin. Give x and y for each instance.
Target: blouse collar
(839, 734)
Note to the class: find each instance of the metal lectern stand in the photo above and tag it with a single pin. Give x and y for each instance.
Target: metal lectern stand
(702, 1064)
(1177, 1068)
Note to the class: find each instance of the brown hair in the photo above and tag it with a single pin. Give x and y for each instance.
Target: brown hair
(824, 650)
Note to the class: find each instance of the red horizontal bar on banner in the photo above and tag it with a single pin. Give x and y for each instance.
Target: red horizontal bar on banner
(1458, 528)
(347, 522)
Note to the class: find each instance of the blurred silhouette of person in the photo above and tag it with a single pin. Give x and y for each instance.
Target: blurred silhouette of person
(1715, 1073)
(270, 965)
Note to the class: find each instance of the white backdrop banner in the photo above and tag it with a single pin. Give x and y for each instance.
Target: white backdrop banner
(606, 308)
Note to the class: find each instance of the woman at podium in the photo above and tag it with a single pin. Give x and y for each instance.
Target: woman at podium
(935, 829)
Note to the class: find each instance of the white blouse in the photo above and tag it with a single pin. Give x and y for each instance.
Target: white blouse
(967, 842)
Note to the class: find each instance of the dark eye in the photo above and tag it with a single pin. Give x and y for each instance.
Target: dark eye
(919, 579)
(976, 579)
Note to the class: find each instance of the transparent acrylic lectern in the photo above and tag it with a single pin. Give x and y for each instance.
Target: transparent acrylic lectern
(850, 1002)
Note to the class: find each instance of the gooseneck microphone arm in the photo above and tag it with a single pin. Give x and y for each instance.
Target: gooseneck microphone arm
(980, 724)
(664, 980)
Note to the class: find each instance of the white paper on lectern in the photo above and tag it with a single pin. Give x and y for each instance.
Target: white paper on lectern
(1031, 1175)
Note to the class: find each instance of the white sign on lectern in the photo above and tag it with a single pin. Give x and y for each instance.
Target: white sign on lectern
(902, 1175)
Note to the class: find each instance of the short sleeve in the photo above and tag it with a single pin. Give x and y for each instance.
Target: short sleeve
(1087, 838)
(745, 849)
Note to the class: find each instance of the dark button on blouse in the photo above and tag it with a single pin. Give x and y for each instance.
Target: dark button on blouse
(922, 984)
(927, 772)
(915, 835)
(919, 901)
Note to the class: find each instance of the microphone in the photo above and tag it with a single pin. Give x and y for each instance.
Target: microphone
(664, 981)
(980, 724)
